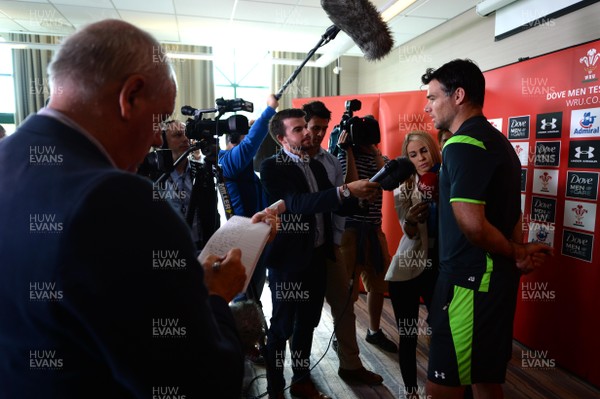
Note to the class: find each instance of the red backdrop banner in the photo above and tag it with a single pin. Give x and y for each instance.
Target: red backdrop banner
(549, 108)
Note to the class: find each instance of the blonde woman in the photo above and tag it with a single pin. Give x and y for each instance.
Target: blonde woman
(413, 269)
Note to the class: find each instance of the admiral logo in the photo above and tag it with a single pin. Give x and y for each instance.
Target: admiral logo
(518, 128)
(542, 233)
(549, 125)
(584, 154)
(547, 153)
(589, 62)
(582, 185)
(584, 123)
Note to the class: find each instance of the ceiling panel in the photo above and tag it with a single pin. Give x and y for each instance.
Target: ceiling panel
(277, 25)
(84, 3)
(154, 6)
(79, 16)
(161, 26)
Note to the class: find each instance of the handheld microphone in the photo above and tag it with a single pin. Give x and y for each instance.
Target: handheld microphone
(250, 322)
(428, 186)
(393, 173)
(360, 20)
(385, 171)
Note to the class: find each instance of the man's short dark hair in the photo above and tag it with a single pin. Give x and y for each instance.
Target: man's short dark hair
(459, 73)
(276, 127)
(316, 108)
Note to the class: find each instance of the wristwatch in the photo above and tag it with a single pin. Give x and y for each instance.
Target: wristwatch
(345, 191)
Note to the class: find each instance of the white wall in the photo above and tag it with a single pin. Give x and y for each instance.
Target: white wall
(466, 36)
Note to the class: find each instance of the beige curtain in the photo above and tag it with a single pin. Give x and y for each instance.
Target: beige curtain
(195, 79)
(310, 82)
(31, 84)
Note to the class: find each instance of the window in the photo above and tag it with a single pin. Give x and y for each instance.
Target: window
(7, 99)
(243, 74)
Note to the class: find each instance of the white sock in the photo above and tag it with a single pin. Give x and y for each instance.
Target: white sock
(371, 332)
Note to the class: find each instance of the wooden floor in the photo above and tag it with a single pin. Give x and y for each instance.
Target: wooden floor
(522, 383)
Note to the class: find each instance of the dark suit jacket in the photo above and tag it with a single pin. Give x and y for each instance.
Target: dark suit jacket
(292, 247)
(100, 292)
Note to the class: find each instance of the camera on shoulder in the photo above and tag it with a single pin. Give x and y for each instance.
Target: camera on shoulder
(361, 130)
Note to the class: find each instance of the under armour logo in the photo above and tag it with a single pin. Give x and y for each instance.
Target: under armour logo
(471, 279)
(551, 124)
(589, 153)
(440, 375)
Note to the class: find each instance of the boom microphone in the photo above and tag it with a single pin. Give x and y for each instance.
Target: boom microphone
(393, 173)
(360, 20)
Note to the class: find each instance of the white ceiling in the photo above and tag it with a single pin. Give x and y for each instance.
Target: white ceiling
(279, 25)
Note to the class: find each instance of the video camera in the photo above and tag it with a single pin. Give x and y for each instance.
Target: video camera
(361, 130)
(205, 130)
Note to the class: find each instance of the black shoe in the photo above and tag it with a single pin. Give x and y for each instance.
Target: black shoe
(381, 341)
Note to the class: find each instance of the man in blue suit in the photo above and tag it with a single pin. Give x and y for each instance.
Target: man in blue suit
(296, 258)
(101, 294)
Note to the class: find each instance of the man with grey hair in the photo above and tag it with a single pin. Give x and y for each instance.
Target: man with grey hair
(102, 295)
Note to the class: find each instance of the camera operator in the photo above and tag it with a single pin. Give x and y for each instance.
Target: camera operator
(179, 184)
(243, 185)
(364, 245)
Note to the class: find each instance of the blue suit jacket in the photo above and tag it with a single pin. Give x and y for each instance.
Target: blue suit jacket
(292, 247)
(101, 295)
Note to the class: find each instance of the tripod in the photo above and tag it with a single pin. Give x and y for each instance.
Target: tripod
(203, 197)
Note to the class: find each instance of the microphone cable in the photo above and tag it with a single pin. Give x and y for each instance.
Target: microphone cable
(348, 302)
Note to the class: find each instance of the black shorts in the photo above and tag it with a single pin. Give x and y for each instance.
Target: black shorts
(472, 331)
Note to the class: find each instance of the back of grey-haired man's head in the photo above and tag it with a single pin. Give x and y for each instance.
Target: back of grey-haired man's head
(104, 52)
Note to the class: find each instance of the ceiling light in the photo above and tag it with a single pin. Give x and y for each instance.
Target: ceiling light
(396, 8)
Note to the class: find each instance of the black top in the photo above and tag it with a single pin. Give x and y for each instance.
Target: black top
(479, 166)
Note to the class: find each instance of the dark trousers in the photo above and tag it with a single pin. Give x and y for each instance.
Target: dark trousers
(406, 298)
(297, 302)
